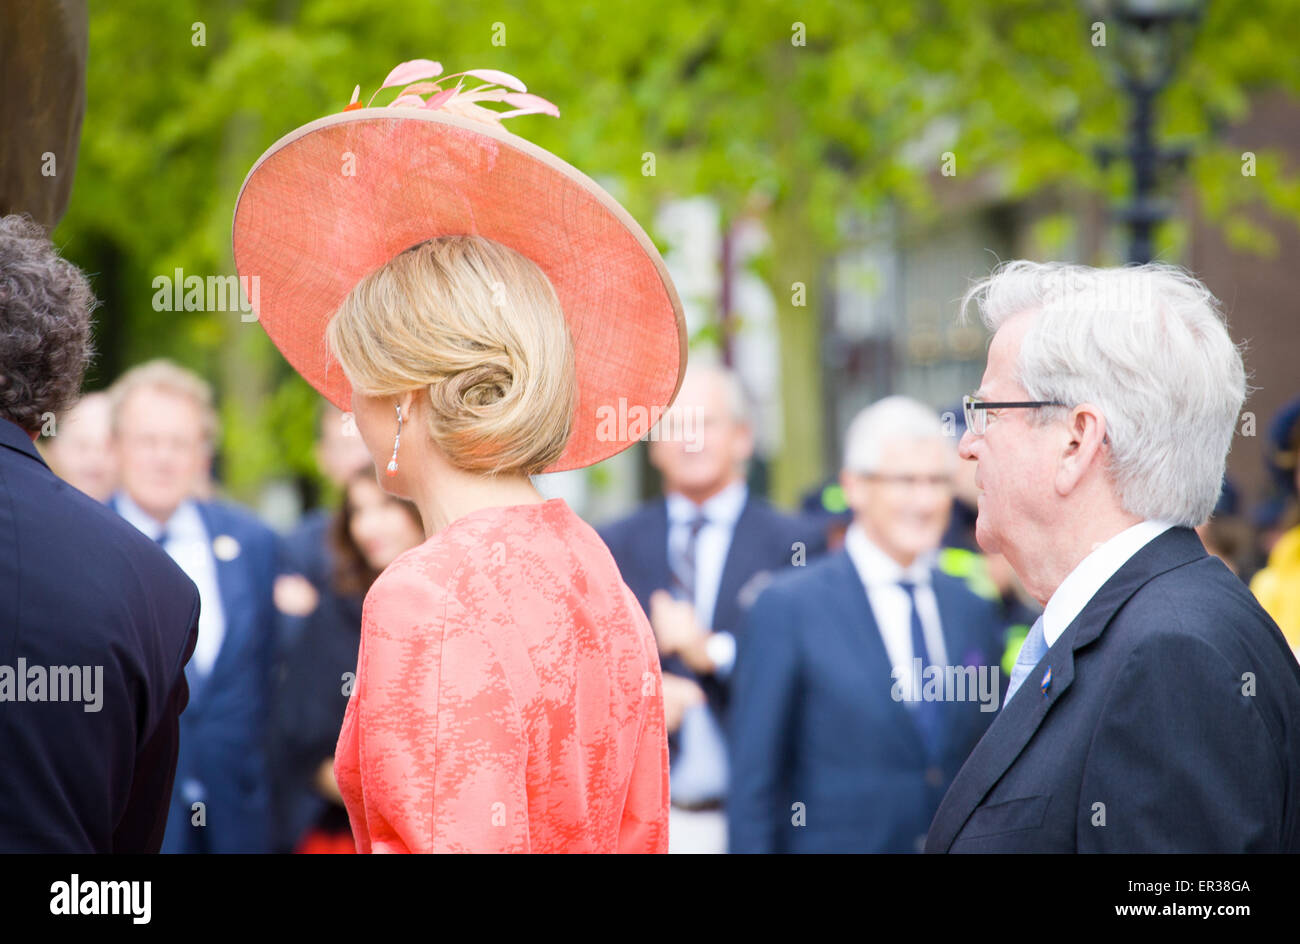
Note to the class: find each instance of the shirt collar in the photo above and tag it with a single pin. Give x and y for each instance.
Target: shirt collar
(185, 521)
(876, 568)
(723, 508)
(1091, 573)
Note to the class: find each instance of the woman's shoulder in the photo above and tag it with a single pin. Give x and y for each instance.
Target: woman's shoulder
(424, 578)
(416, 579)
(476, 558)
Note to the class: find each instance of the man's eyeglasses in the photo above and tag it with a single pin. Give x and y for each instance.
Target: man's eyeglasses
(909, 481)
(977, 411)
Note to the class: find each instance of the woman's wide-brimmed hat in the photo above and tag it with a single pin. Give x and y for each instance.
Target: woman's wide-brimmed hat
(336, 199)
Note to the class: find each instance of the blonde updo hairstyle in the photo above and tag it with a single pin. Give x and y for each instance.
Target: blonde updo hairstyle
(480, 328)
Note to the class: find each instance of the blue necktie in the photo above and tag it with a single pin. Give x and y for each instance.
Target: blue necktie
(1032, 651)
(926, 713)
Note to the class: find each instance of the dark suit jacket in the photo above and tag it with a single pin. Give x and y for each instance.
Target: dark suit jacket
(81, 587)
(814, 720)
(1171, 724)
(305, 551)
(224, 731)
(308, 705)
(763, 543)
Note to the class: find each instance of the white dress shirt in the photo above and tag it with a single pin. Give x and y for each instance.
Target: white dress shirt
(1092, 572)
(699, 772)
(712, 546)
(881, 575)
(190, 546)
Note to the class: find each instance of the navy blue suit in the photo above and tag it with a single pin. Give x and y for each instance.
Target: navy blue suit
(81, 587)
(814, 720)
(1171, 723)
(224, 731)
(306, 551)
(764, 542)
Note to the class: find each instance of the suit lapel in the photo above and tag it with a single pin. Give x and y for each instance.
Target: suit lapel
(230, 584)
(1012, 730)
(738, 567)
(656, 573)
(854, 618)
(954, 607)
(960, 647)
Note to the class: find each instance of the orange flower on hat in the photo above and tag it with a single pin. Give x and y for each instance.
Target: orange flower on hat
(421, 91)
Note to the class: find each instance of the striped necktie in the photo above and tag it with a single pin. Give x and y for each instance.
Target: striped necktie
(683, 566)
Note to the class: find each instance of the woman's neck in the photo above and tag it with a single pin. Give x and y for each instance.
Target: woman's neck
(455, 493)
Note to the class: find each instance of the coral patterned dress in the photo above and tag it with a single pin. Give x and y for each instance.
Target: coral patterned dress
(507, 696)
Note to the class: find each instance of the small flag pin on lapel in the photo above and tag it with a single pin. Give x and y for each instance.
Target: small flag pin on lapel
(1047, 681)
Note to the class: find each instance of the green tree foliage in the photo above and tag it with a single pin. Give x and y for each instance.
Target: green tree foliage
(818, 107)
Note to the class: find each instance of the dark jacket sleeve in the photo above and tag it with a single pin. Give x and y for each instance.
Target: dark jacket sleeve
(310, 698)
(145, 819)
(764, 698)
(1181, 758)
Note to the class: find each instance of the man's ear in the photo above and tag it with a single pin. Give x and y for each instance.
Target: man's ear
(1082, 443)
(852, 485)
(654, 454)
(744, 444)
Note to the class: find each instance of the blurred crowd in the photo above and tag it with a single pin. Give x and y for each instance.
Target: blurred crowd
(815, 696)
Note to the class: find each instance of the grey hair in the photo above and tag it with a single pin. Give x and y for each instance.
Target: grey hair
(891, 419)
(1150, 347)
(738, 404)
(45, 338)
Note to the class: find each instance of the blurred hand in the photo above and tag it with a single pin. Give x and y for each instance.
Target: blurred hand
(326, 785)
(294, 595)
(678, 632)
(679, 694)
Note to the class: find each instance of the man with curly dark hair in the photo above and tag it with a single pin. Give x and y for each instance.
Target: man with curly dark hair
(96, 621)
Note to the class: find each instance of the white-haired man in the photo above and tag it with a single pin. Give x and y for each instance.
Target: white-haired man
(1154, 706)
(844, 730)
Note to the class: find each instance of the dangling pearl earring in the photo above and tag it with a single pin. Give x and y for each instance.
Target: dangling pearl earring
(392, 463)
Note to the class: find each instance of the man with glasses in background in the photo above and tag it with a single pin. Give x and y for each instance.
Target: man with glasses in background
(844, 735)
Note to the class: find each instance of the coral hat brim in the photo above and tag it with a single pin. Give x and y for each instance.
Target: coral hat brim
(334, 200)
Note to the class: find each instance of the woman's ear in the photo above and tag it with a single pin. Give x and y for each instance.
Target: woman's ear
(407, 403)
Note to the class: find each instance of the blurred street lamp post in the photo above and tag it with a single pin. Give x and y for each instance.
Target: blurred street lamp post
(1149, 42)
